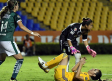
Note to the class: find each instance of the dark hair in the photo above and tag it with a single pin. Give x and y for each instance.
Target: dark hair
(86, 21)
(10, 6)
(97, 77)
(27, 35)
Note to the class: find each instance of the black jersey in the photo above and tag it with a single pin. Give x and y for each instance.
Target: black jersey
(72, 32)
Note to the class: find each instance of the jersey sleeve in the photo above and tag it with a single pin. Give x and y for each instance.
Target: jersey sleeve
(85, 76)
(84, 37)
(17, 18)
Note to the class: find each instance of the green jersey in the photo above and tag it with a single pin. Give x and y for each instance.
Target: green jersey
(8, 25)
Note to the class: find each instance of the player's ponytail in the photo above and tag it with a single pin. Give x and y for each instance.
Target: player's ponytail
(86, 21)
(10, 6)
(3, 11)
(97, 77)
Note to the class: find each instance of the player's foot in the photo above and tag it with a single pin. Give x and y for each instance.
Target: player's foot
(42, 65)
(13, 80)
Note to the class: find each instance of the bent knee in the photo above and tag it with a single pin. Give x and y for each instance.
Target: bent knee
(18, 56)
(64, 55)
(77, 55)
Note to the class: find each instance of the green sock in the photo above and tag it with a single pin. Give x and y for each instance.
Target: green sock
(17, 68)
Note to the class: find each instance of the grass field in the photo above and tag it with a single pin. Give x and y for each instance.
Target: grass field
(30, 70)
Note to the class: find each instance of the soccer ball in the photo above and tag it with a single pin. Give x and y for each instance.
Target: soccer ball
(23, 53)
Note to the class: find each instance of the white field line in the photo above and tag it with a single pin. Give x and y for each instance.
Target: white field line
(107, 74)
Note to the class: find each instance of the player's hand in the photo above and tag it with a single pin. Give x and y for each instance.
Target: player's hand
(82, 61)
(74, 50)
(93, 54)
(90, 51)
(84, 58)
(36, 34)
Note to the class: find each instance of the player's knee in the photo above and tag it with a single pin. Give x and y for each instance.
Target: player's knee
(77, 55)
(64, 55)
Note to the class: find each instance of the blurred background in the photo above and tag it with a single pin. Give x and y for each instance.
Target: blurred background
(50, 17)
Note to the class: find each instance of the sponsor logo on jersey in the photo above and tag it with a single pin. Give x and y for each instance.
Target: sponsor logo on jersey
(18, 16)
(72, 32)
(75, 29)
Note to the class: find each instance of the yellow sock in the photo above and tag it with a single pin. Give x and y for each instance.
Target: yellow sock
(54, 62)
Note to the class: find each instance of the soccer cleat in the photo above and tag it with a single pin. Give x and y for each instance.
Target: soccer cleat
(41, 64)
(13, 80)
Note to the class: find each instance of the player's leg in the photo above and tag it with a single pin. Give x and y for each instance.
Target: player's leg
(52, 63)
(2, 57)
(2, 54)
(60, 71)
(17, 66)
(67, 49)
(67, 69)
(19, 61)
(64, 61)
(11, 49)
(77, 55)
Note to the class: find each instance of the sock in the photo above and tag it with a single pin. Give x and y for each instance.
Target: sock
(1, 62)
(67, 69)
(54, 62)
(16, 68)
(77, 57)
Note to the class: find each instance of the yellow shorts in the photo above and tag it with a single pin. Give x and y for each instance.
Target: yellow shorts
(62, 75)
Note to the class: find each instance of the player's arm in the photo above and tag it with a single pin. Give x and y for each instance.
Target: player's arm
(84, 38)
(27, 30)
(81, 63)
(69, 38)
(85, 43)
(74, 69)
(90, 51)
(69, 42)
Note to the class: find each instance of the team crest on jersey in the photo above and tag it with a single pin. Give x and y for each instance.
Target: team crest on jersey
(75, 29)
(18, 16)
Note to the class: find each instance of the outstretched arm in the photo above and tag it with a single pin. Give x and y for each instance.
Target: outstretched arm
(73, 49)
(79, 66)
(76, 67)
(27, 30)
(85, 42)
(90, 51)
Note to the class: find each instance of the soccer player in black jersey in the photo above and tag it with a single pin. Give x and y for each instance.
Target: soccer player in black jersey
(68, 42)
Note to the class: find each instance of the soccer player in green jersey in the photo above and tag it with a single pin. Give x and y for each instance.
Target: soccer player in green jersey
(9, 21)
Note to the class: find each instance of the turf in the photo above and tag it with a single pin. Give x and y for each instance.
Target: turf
(30, 70)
